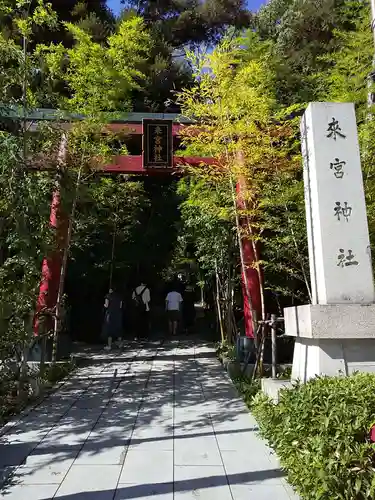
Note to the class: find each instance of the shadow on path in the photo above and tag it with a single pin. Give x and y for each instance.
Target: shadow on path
(125, 492)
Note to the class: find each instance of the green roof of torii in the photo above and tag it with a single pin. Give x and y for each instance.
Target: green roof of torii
(15, 112)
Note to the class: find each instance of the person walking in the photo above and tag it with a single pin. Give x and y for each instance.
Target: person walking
(173, 303)
(112, 324)
(142, 298)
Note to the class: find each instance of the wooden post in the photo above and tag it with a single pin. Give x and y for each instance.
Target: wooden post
(274, 346)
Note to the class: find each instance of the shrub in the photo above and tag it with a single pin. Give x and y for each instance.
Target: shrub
(225, 350)
(247, 388)
(320, 432)
(9, 401)
(56, 372)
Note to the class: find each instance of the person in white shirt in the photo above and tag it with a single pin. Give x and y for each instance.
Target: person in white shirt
(173, 303)
(142, 298)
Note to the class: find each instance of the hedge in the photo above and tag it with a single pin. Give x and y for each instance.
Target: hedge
(320, 432)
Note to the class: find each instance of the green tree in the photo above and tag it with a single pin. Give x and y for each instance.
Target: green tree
(191, 22)
(99, 77)
(25, 233)
(240, 124)
(93, 16)
(25, 197)
(301, 33)
(347, 80)
(175, 26)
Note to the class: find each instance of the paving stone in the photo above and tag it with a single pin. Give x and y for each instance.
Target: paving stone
(161, 491)
(148, 436)
(5, 475)
(191, 413)
(131, 402)
(91, 402)
(244, 466)
(142, 467)
(153, 431)
(151, 417)
(159, 413)
(52, 473)
(259, 492)
(107, 430)
(80, 417)
(197, 451)
(182, 378)
(96, 452)
(152, 445)
(205, 483)
(32, 492)
(156, 404)
(186, 402)
(233, 419)
(119, 416)
(58, 403)
(41, 418)
(14, 454)
(67, 436)
(194, 430)
(26, 433)
(243, 440)
(47, 457)
(90, 482)
(10, 424)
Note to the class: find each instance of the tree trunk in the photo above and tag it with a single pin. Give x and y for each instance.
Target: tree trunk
(264, 331)
(229, 313)
(112, 254)
(219, 314)
(43, 349)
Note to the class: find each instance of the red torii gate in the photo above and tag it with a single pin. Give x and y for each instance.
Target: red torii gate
(133, 164)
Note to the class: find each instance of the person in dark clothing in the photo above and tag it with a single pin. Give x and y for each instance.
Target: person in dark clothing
(141, 299)
(112, 325)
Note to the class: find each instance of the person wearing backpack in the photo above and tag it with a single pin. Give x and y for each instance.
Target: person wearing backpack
(142, 298)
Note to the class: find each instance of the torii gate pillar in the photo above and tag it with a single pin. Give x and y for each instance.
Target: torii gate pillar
(51, 267)
(252, 304)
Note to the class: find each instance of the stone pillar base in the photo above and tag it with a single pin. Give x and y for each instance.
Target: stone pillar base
(331, 357)
(331, 339)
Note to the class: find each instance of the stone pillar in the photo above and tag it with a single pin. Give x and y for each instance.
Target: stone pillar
(337, 331)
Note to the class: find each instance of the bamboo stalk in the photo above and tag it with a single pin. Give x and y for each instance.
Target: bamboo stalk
(220, 319)
(274, 344)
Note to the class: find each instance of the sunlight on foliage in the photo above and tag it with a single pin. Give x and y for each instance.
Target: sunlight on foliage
(100, 77)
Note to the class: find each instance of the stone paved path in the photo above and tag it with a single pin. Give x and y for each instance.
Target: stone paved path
(160, 421)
